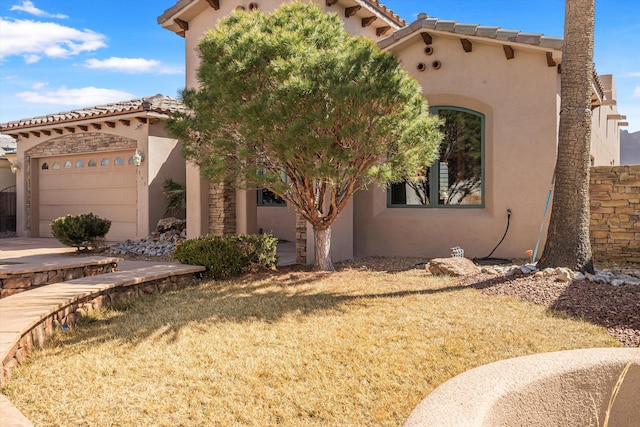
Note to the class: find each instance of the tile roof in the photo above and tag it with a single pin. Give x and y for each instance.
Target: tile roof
(159, 104)
(386, 12)
(375, 4)
(454, 27)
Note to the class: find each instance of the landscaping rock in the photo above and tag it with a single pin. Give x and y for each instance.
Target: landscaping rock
(564, 275)
(159, 244)
(615, 276)
(454, 266)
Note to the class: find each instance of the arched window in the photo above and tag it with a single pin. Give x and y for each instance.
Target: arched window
(119, 161)
(67, 164)
(132, 161)
(79, 164)
(56, 165)
(456, 179)
(92, 163)
(45, 166)
(104, 162)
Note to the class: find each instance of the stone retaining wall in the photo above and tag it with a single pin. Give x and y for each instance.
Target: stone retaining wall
(615, 213)
(18, 278)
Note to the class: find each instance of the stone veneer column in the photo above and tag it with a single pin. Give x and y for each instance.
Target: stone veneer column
(615, 213)
(301, 239)
(222, 209)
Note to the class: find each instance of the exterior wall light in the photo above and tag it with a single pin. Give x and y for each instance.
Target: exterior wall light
(13, 161)
(138, 157)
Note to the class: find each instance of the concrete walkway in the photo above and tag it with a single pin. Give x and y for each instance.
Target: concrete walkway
(19, 313)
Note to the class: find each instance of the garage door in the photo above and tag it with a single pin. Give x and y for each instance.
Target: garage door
(101, 183)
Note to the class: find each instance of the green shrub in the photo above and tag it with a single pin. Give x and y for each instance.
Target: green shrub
(228, 255)
(80, 231)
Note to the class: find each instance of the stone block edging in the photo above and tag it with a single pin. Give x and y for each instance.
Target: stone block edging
(15, 278)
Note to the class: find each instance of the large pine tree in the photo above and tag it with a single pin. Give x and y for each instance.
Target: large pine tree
(289, 101)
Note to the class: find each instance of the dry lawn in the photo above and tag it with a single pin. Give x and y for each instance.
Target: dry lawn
(357, 347)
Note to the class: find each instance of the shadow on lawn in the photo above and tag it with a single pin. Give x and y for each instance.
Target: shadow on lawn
(242, 301)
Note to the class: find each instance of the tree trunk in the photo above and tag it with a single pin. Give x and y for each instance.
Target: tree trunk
(322, 237)
(568, 243)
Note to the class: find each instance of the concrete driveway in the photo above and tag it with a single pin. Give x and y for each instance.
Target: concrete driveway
(31, 250)
(22, 249)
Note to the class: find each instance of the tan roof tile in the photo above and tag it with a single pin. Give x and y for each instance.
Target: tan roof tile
(159, 104)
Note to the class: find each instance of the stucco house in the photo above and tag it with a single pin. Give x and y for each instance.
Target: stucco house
(501, 86)
(111, 160)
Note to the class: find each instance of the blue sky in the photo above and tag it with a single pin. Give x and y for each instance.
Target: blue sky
(57, 55)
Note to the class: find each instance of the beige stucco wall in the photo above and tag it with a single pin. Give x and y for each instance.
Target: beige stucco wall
(605, 132)
(519, 100)
(165, 161)
(278, 220)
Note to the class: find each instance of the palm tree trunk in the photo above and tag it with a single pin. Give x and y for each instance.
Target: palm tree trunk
(568, 243)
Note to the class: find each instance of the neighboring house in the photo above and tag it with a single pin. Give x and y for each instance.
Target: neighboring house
(110, 160)
(629, 148)
(501, 88)
(7, 185)
(7, 147)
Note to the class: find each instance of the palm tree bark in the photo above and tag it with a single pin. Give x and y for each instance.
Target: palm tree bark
(568, 243)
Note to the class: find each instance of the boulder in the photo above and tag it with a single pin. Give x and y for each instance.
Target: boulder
(454, 266)
(166, 224)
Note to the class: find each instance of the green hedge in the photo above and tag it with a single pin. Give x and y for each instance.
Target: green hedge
(228, 255)
(80, 231)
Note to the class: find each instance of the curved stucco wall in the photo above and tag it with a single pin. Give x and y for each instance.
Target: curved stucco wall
(569, 388)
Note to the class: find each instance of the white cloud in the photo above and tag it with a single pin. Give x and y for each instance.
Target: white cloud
(634, 74)
(28, 7)
(636, 91)
(33, 40)
(81, 97)
(31, 59)
(133, 65)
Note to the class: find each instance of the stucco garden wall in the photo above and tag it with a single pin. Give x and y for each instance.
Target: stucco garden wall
(566, 388)
(615, 213)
